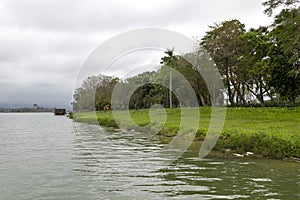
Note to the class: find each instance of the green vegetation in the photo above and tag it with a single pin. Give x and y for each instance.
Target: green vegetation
(267, 132)
(258, 67)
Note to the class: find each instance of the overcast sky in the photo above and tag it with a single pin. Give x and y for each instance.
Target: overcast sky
(44, 43)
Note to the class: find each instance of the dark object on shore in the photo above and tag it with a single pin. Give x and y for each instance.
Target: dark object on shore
(70, 115)
(106, 108)
(59, 111)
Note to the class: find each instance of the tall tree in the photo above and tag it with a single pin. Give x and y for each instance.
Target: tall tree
(224, 45)
(94, 93)
(285, 54)
(169, 61)
(254, 63)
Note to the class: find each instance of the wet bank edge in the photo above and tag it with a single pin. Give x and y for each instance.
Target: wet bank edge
(231, 144)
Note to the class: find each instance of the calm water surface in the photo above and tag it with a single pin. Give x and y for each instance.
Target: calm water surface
(48, 157)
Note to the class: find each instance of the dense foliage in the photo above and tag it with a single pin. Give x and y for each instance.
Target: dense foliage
(259, 67)
(261, 64)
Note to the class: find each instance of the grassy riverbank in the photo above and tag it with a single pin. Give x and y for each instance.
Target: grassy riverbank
(267, 132)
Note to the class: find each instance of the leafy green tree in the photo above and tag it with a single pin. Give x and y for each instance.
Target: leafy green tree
(104, 91)
(254, 63)
(94, 93)
(142, 80)
(195, 79)
(284, 54)
(224, 45)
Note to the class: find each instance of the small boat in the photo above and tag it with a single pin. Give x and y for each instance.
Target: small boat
(59, 111)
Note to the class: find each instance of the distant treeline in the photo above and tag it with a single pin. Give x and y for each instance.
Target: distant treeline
(258, 67)
(38, 109)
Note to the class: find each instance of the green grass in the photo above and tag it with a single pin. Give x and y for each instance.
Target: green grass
(268, 132)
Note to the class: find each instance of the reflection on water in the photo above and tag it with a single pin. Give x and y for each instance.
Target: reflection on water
(125, 165)
(44, 157)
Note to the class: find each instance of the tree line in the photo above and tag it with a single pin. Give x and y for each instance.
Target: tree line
(259, 66)
(148, 88)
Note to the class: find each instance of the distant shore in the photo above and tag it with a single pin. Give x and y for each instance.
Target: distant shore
(25, 110)
(254, 132)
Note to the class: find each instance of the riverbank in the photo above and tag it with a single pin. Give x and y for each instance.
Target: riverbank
(265, 132)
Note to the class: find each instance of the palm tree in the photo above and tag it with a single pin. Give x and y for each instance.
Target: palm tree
(169, 61)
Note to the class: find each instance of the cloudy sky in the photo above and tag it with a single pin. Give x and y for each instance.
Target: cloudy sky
(43, 44)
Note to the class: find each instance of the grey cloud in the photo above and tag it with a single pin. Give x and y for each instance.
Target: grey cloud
(87, 16)
(17, 44)
(43, 44)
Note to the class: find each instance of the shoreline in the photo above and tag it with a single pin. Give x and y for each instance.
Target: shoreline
(248, 132)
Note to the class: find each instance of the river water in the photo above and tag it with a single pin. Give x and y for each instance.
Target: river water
(49, 157)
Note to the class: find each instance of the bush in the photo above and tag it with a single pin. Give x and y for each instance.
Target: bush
(260, 143)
